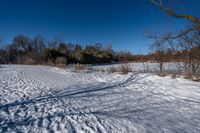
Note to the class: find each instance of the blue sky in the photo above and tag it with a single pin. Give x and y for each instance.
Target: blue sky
(123, 23)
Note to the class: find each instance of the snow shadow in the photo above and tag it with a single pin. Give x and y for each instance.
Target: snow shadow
(110, 102)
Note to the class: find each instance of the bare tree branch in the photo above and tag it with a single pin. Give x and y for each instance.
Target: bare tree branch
(170, 12)
(170, 36)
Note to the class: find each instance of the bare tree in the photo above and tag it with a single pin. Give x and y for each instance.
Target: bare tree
(171, 12)
(185, 43)
(159, 49)
(38, 43)
(55, 42)
(22, 43)
(78, 53)
(62, 48)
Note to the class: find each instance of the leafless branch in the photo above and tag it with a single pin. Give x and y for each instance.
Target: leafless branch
(170, 12)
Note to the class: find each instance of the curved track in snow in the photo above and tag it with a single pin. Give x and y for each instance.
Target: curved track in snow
(47, 99)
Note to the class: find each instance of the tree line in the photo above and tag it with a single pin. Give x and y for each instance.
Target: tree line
(36, 50)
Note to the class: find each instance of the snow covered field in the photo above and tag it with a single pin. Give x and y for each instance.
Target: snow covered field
(41, 99)
(144, 66)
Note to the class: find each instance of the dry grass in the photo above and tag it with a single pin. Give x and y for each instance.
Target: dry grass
(123, 69)
(162, 74)
(111, 70)
(102, 70)
(60, 65)
(29, 61)
(61, 60)
(97, 69)
(197, 79)
(173, 75)
(187, 75)
(80, 67)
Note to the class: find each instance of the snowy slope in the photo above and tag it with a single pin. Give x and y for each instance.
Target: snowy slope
(47, 99)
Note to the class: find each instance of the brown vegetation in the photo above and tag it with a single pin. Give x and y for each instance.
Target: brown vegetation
(80, 67)
(123, 69)
(40, 51)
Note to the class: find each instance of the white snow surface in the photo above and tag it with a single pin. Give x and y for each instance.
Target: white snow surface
(41, 99)
(145, 66)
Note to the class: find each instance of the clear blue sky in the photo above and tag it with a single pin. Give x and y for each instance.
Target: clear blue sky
(122, 23)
